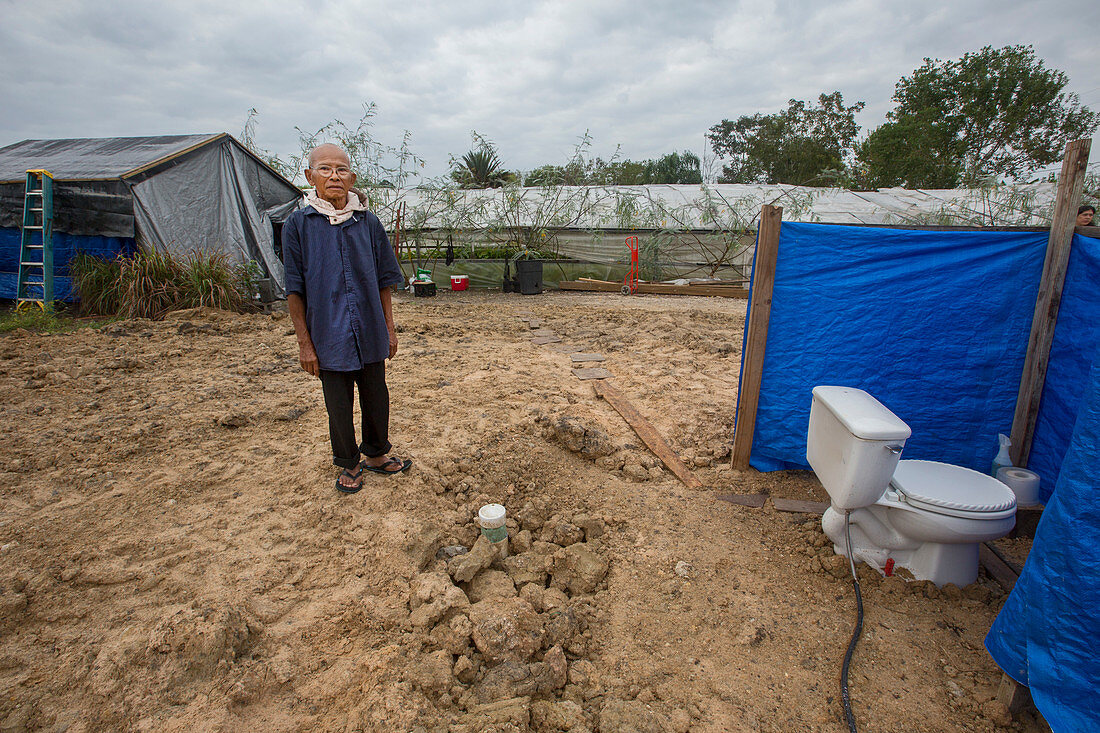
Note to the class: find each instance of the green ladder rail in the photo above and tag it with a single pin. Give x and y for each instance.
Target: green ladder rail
(35, 284)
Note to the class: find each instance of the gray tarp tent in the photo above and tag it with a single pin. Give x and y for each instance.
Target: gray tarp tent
(173, 193)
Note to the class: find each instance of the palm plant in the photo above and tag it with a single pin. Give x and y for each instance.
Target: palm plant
(480, 168)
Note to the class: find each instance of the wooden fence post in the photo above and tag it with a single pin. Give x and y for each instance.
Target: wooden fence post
(763, 281)
(1070, 183)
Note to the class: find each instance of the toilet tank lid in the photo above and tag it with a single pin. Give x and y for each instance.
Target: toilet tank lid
(865, 417)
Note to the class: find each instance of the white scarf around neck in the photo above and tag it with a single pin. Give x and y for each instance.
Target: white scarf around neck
(335, 216)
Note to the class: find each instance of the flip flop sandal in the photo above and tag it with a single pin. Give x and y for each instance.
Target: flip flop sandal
(344, 489)
(404, 466)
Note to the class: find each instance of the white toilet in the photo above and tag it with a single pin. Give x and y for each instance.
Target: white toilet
(927, 517)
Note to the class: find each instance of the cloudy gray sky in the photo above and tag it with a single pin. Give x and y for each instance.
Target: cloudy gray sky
(530, 76)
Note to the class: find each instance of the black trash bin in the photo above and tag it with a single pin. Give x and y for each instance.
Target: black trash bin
(529, 274)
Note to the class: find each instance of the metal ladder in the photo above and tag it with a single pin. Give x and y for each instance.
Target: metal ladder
(35, 284)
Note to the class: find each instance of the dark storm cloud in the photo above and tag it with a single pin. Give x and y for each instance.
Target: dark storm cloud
(651, 76)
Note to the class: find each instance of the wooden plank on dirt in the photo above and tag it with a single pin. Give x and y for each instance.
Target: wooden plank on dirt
(592, 373)
(754, 501)
(648, 434)
(1012, 694)
(541, 340)
(587, 357)
(756, 338)
(799, 506)
(543, 332)
(997, 567)
(1070, 184)
(721, 291)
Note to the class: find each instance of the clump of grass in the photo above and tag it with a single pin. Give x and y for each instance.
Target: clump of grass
(39, 320)
(152, 284)
(96, 280)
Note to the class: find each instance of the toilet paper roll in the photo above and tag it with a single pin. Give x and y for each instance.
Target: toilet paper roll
(1024, 484)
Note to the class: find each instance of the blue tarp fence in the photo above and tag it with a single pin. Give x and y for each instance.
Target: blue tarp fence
(1045, 635)
(64, 247)
(935, 324)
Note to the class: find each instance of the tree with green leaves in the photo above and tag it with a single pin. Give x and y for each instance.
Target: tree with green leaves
(998, 113)
(671, 168)
(805, 144)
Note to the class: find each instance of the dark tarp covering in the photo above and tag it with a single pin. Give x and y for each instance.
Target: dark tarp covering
(86, 159)
(173, 193)
(96, 208)
(238, 199)
(1045, 636)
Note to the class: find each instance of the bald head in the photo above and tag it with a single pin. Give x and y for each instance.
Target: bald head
(330, 174)
(328, 150)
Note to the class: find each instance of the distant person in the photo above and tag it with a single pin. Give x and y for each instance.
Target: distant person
(339, 271)
(1085, 214)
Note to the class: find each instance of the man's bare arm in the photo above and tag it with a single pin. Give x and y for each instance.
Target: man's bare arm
(386, 296)
(307, 356)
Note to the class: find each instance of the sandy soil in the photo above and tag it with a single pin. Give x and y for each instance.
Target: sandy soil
(173, 554)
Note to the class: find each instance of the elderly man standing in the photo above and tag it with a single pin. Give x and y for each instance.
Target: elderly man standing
(339, 271)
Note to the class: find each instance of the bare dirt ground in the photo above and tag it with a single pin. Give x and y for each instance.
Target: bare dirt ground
(174, 557)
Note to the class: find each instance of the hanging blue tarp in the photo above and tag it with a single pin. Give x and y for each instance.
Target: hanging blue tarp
(1071, 360)
(934, 324)
(65, 246)
(1045, 636)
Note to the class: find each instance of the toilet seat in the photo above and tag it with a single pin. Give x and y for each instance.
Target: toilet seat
(950, 490)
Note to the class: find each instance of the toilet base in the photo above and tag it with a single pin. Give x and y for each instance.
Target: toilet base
(875, 540)
(942, 564)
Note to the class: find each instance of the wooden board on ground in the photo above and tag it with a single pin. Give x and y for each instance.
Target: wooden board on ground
(588, 357)
(750, 500)
(592, 373)
(722, 291)
(996, 567)
(543, 332)
(540, 340)
(797, 505)
(647, 433)
(566, 348)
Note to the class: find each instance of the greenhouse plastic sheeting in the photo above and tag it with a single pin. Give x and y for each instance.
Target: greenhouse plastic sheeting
(1045, 635)
(490, 273)
(934, 324)
(1071, 359)
(64, 247)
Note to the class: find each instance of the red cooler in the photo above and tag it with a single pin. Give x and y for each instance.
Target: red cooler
(460, 282)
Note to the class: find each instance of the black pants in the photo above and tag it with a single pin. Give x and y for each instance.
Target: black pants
(374, 404)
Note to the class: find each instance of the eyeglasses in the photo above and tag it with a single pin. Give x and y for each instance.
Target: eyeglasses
(328, 170)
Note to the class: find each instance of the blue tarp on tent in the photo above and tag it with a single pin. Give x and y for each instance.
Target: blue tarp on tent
(64, 247)
(1045, 635)
(934, 324)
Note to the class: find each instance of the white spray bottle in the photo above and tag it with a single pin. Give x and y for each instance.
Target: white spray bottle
(1002, 459)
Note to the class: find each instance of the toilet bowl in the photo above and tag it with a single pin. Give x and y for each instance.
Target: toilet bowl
(927, 517)
(929, 521)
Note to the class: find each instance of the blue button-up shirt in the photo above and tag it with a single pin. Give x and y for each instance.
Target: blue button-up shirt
(338, 270)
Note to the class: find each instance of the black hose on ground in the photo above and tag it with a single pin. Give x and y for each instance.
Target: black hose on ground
(844, 697)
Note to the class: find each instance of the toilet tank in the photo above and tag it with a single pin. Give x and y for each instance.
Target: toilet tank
(853, 445)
